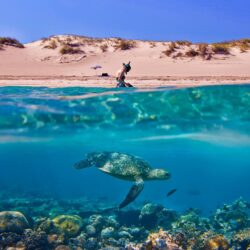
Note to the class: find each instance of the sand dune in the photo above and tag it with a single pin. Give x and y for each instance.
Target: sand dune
(43, 60)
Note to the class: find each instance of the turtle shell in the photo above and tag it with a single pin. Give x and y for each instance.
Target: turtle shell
(123, 166)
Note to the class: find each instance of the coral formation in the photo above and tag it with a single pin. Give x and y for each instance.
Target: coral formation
(78, 225)
(217, 242)
(191, 224)
(69, 225)
(210, 241)
(231, 217)
(12, 221)
(241, 239)
(161, 240)
(152, 215)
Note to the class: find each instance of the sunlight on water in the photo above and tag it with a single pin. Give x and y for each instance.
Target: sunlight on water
(225, 138)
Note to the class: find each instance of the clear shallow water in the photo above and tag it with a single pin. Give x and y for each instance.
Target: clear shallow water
(201, 135)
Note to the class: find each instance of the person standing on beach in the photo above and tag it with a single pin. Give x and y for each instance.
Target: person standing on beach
(121, 75)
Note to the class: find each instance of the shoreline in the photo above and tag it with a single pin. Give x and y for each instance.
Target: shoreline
(110, 82)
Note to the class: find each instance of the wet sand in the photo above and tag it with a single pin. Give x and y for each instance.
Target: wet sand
(109, 82)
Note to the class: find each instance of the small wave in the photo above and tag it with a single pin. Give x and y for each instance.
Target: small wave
(114, 92)
(219, 138)
(22, 139)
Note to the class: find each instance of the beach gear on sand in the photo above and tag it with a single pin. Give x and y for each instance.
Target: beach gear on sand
(95, 67)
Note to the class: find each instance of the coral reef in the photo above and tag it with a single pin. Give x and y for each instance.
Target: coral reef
(69, 225)
(210, 241)
(241, 239)
(77, 225)
(161, 240)
(231, 217)
(191, 224)
(152, 215)
(12, 221)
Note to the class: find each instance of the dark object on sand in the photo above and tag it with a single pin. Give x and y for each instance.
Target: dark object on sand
(104, 75)
(171, 192)
(95, 67)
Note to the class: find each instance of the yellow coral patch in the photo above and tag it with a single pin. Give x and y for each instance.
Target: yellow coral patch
(217, 242)
(69, 225)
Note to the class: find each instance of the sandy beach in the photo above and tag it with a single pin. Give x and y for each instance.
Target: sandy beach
(42, 63)
(139, 82)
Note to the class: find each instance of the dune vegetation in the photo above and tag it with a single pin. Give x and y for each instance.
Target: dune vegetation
(67, 49)
(7, 41)
(125, 44)
(180, 49)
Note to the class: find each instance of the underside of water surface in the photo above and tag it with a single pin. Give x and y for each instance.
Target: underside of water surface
(200, 135)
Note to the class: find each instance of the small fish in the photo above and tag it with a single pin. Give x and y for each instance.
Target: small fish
(171, 192)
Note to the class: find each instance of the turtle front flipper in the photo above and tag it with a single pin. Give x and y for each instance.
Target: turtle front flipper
(133, 193)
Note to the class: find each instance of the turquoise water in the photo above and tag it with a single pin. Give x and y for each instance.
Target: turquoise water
(201, 135)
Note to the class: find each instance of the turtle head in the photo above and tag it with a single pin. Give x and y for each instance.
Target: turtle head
(159, 174)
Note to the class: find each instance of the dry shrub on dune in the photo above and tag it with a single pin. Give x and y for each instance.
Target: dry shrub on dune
(44, 40)
(171, 49)
(244, 48)
(245, 40)
(221, 48)
(203, 49)
(167, 52)
(152, 44)
(192, 53)
(51, 45)
(183, 43)
(125, 44)
(72, 45)
(68, 39)
(173, 46)
(244, 45)
(104, 48)
(10, 42)
(178, 55)
(66, 49)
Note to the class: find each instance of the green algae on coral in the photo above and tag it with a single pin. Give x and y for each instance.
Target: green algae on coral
(69, 225)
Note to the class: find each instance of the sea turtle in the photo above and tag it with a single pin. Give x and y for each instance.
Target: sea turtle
(126, 167)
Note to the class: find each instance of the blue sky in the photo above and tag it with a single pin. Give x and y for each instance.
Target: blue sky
(195, 20)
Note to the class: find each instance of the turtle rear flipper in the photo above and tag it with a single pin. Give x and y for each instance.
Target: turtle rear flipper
(133, 193)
